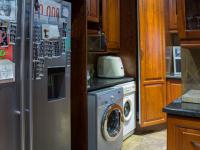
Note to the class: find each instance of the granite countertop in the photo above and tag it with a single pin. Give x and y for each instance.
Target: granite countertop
(183, 109)
(100, 83)
(173, 76)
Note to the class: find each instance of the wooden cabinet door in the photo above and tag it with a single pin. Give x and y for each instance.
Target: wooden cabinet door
(111, 23)
(152, 62)
(183, 133)
(188, 22)
(187, 139)
(93, 10)
(172, 15)
(174, 90)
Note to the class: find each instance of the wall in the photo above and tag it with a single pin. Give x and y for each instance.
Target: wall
(190, 69)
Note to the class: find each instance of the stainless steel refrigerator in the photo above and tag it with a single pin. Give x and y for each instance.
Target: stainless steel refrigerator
(35, 69)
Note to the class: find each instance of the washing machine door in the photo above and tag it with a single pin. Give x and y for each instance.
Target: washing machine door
(128, 109)
(112, 123)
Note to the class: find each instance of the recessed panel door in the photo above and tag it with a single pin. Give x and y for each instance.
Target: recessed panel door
(152, 62)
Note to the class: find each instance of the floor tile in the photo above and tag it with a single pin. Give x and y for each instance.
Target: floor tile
(150, 141)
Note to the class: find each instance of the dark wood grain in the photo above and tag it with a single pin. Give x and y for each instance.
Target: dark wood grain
(152, 62)
(111, 23)
(190, 37)
(173, 16)
(181, 18)
(190, 44)
(128, 38)
(79, 65)
(174, 90)
(93, 10)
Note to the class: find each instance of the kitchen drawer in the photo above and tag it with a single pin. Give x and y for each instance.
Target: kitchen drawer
(187, 139)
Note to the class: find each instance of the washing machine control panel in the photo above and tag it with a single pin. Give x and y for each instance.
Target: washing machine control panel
(129, 89)
(110, 96)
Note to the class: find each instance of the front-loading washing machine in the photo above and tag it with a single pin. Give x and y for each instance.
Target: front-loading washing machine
(105, 119)
(129, 108)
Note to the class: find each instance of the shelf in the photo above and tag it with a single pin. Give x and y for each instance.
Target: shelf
(7, 81)
(90, 31)
(173, 31)
(103, 52)
(100, 83)
(193, 44)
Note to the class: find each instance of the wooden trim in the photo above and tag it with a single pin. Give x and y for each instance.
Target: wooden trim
(92, 32)
(128, 38)
(150, 82)
(192, 34)
(191, 44)
(93, 19)
(173, 31)
(181, 18)
(184, 122)
(154, 122)
(79, 140)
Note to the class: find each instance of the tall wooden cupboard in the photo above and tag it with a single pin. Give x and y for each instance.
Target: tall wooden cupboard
(152, 62)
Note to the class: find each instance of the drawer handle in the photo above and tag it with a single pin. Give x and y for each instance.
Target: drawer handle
(195, 144)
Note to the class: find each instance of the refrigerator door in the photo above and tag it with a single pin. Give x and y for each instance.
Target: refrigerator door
(12, 125)
(50, 54)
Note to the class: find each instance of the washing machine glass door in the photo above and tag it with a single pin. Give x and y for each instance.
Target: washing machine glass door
(128, 110)
(112, 123)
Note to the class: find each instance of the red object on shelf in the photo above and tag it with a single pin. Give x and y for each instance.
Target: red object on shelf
(9, 52)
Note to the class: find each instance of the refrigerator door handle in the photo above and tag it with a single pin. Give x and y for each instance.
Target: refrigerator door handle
(27, 110)
(18, 112)
(22, 77)
(30, 110)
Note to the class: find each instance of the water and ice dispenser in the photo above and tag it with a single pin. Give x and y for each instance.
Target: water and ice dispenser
(56, 83)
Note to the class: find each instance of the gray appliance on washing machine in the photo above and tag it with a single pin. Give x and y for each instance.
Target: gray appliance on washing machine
(105, 119)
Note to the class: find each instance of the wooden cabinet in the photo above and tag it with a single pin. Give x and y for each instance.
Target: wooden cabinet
(189, 22)
(174, 89)
(111, 23)
(188, 139)
(183, 133)
(93, 10)
(152, 62)
(173, 16)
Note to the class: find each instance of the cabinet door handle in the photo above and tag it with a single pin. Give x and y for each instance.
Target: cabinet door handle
(196, 144)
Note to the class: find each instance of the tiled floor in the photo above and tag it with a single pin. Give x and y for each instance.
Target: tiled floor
(151, 141)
